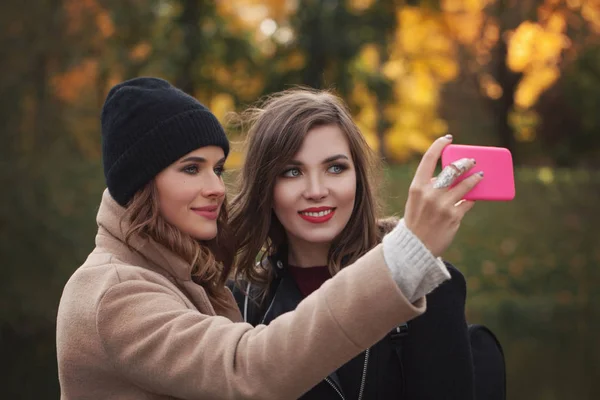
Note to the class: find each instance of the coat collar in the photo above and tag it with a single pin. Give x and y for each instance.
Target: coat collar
(154, 256)
(111, 235)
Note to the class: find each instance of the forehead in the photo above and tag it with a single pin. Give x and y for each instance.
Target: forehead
(321, 142)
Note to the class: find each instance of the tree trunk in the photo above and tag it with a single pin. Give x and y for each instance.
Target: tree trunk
(192, 37)
(316, 61)
(502, 107)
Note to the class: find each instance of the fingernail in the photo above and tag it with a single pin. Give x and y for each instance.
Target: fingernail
(480, 173)
(473, 161)
(448, 137)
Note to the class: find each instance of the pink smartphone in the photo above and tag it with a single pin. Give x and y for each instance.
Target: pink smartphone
(496, 163)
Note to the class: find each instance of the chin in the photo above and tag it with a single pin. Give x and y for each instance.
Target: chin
(204, 234)
(320, 238)
(204, 238)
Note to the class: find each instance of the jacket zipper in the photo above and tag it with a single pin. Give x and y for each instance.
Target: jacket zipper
(364, 375)
(363, 380)
(268, 309)
(335, 388)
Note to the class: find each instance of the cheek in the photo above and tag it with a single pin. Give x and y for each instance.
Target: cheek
(283, 199)
(174, 197)
(278, 198)
(168, 206)
(347, 191)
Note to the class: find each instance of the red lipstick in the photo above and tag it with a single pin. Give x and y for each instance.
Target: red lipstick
(208, 212)
(317, 215)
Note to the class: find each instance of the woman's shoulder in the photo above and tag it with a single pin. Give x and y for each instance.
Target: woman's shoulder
(103, 270)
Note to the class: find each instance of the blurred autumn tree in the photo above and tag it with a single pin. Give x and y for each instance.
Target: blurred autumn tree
(413, 70)
(404, 66)
(41, 218)
(519, 63)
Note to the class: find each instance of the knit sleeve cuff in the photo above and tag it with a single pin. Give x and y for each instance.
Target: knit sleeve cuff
(416, 271)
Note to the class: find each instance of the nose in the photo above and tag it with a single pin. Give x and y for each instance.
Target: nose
(315, 188)
(213, 187)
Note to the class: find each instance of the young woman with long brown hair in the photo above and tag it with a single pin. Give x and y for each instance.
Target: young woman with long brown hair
(148, 316)
(308, 206)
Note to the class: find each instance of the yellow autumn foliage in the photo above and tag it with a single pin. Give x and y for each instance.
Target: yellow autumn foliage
(590, 10)
(249, 14)
(532, 44)
(533, 84)
(422, 60)
(221, 104)
(490, 87)
(464, 18)
(369, 59)
(535, 50)
(522, 45)
(416, 72)
(367, 117)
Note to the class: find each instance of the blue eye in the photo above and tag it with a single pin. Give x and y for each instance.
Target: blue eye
(337, 169)
(291, 173)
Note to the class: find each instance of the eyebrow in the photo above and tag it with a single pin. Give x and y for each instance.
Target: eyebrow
(325, 161)
(199, 160)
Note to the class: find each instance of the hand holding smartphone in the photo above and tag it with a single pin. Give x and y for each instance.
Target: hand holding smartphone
(497, 166)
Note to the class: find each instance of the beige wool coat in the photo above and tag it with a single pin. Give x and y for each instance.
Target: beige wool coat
(133, 325)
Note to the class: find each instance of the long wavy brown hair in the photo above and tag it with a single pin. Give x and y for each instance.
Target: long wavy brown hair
(211, 260)
(276, 129)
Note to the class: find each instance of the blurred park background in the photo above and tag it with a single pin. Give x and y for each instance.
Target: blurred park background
(522, 74)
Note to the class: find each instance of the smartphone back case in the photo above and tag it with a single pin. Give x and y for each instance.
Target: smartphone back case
(496, 163)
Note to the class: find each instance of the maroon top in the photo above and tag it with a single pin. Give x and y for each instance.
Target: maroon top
(309, 279)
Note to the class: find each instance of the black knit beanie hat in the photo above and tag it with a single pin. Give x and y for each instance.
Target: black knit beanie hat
(147, 124)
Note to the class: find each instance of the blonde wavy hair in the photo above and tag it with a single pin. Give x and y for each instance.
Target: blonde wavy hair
(211, 260)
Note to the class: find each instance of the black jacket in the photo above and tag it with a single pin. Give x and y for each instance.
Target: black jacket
(428, 358)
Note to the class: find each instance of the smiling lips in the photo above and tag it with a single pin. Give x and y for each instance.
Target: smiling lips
(208, 212)
(317, 215)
